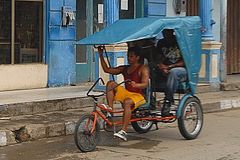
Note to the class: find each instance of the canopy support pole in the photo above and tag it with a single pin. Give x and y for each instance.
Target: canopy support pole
(109, 64)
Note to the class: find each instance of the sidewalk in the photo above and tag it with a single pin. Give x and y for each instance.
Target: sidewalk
(41, 113)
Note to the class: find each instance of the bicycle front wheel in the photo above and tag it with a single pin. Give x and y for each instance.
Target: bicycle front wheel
(85, 137)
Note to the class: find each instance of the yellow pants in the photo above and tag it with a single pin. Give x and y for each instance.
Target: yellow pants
(123, 94)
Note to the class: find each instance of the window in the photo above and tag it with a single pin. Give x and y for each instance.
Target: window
(98, 17)
(5, 31)
(27, 28)
(126, 9)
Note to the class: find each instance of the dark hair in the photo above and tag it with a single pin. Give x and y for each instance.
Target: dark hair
(168, 30)
(137, 51)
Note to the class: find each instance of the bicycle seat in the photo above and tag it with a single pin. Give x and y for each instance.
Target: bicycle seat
(148, 93)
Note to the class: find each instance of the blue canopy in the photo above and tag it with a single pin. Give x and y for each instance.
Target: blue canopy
(187, 30)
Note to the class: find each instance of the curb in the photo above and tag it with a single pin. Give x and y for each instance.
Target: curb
(222, 105)
(35, 131)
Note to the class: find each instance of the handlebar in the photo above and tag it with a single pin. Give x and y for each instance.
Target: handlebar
(94, 86)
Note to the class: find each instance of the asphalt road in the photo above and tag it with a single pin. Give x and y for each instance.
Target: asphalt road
(219, 140)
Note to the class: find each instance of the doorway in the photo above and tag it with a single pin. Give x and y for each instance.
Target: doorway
(89, 19)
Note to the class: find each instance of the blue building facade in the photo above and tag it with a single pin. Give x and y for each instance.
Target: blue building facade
(59, 41)
(40, 35)
(61, 53)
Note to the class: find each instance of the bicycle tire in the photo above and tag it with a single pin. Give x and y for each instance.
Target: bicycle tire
(191, 111)
(84, 139)
(142, 126)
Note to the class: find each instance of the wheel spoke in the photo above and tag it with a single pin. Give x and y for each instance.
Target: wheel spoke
(144, 124)
(189, 121)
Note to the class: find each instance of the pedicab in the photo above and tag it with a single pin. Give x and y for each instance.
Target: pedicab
(187, 109)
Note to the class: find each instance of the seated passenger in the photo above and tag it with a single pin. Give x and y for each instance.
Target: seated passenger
(171, 66)
(133, 96)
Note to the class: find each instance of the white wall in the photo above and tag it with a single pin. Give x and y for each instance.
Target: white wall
(23, 76)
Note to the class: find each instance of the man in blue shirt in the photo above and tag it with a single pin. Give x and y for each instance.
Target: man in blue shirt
(171, 66)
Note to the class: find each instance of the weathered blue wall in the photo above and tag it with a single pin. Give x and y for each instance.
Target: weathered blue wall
(60, 52)
(155, 8)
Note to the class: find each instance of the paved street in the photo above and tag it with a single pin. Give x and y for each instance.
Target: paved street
(219, 140)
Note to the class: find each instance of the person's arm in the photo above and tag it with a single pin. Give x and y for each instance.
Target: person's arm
(106, 68)
(144, 79)
(163, 68)
(178, 64)
(161, 58)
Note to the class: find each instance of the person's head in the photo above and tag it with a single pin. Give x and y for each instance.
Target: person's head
(134, 55)
(168, 33)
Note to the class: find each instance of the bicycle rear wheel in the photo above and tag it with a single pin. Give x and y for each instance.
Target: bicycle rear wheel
(86, 139)
(142, 126)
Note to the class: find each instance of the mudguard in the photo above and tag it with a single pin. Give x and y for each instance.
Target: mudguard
(183, 101)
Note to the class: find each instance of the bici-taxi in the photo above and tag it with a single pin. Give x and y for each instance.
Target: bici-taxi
(187, 109)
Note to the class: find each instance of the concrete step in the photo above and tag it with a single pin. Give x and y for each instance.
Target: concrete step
(24, 128)
(204, 88)
(225, 86)
(28, 102)
(230, 86)
(44, 106)
(35, 101)
(232, 83)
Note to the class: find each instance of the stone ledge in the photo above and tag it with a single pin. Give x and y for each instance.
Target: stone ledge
(30, 132)
(230, 86)
(28, 108)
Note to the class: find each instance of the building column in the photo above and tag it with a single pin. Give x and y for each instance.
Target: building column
(111, 11)
(223, 39)
(207, 21)
(211, 49)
